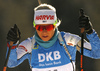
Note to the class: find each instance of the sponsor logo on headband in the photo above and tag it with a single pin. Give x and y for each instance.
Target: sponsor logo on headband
(44, 21)
(44, 17)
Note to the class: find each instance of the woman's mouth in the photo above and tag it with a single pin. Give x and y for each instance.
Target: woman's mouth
(44, 36)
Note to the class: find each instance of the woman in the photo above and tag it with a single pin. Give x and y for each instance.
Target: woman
(49, 49)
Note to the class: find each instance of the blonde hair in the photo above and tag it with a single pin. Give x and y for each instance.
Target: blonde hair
(45, 6)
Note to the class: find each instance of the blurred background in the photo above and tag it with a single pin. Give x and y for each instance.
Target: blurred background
(21, 12)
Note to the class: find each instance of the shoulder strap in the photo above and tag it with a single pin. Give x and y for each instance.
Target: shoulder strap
(33, 41)
(62, 42)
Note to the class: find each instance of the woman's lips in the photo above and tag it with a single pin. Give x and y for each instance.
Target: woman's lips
(44, 36)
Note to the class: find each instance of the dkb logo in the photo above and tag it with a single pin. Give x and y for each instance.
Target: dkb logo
(42, 57)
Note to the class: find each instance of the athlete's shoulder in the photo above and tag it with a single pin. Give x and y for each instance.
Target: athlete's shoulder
(27, 44)
(70, 39)
(24, 47)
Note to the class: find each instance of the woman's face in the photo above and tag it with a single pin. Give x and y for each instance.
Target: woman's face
(46, 35)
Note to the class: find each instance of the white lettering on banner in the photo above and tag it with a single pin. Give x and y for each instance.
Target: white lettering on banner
(56, 62)
(48, 56)
(57, 55)
(44, 17)
(42, 57)
(50, 64)
(41, 64)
